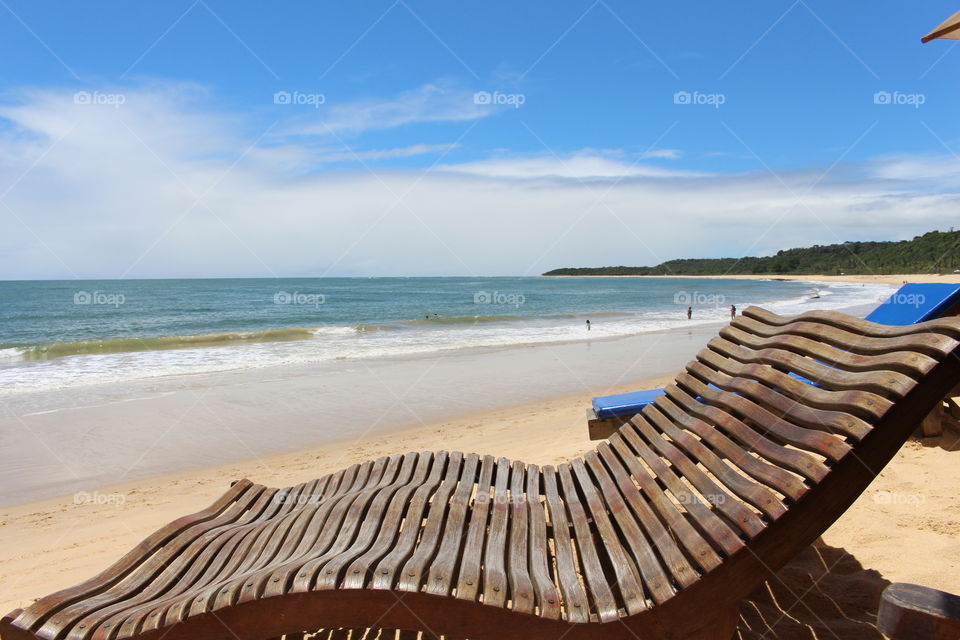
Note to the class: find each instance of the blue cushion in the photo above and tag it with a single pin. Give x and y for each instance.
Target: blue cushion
(624, 404)
(915, 302)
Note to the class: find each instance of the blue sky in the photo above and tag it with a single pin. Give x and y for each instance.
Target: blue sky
(433, 138)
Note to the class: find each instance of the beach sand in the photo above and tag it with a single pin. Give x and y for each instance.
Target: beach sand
(904, 527)
(950, 278)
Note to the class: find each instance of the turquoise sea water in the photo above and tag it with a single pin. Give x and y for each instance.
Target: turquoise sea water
(68, 333)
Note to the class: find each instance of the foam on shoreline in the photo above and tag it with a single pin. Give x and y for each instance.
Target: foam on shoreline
(32, 368)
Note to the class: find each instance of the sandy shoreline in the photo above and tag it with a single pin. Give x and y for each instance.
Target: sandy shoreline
(82, 438)
(897, 279)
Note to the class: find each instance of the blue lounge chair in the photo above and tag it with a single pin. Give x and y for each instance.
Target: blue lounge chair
(912, 303)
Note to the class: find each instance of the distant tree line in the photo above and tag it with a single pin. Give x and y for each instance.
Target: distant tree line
(934, 252)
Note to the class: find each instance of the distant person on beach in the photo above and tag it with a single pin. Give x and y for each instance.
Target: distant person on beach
(689, 312)
(733, 312)
(588, 325)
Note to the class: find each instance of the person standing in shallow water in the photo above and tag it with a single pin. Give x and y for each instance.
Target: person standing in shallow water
(689, 312)
(733, 312)
(588, 325)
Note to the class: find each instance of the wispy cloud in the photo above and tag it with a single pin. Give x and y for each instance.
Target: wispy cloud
(582, 165)
(913, 168)
(428, 103)
(385, 154)
(159, 186)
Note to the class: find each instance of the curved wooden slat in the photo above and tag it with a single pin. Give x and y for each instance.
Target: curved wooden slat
(155, 570)
(131, 561)
(792, 459)
(361, 571)
(886, 383)
(752, 465)
(626, 581)
(927, 342)
(908, 363)
(494, 562)
(598, 586)
(548, 597)
(468, 582)
(817, 441)
(744, 518)
(371, 525)
(945, 326)
(342, 523)
(575, 604)
(440, 576)
(667, 521)
(385, 575)
(653, 575)
(757, 495)
(716, 530)
(412, 574)
(870, 407)
(521, 585)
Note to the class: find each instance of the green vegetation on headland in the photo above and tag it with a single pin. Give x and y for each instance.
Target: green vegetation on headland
(934, 252)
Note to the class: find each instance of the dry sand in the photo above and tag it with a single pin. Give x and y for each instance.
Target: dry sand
(951, 278)
(904, 528)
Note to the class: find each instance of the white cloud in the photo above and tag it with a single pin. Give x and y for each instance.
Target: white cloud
(587, 165)
(918, 168)
(665, 154)
(161, 188)
(428, 103)
(384, 154)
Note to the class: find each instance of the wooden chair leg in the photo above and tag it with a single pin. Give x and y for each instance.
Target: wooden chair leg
(912, 612)
(932, 425)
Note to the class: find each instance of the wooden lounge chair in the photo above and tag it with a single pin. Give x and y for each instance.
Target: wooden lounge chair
(912, 303)
(659, 532)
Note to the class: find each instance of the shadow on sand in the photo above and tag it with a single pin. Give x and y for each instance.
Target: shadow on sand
(822, 593)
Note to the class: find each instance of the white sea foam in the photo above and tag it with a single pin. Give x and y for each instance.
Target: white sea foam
(349, 342)
(11, 354)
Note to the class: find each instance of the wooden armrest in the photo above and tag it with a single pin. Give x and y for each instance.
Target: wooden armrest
(912, 612)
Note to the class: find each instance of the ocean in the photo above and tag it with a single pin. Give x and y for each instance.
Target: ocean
(62, 334)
